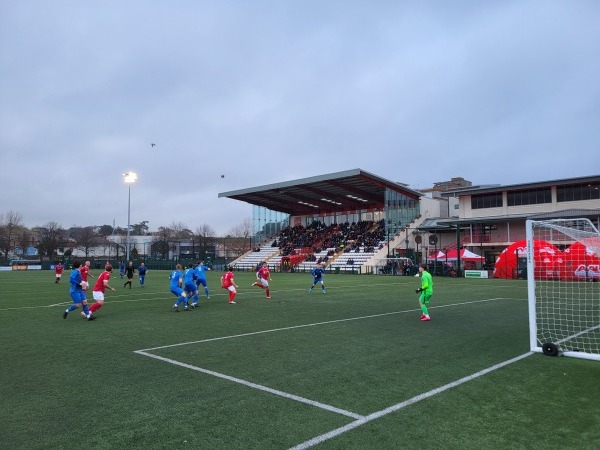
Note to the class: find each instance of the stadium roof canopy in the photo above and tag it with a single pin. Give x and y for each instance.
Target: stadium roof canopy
(349, 190)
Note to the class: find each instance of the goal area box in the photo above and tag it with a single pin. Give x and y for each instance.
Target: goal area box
(563, 285)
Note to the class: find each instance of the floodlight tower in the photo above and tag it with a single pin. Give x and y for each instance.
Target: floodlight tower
(129, 178)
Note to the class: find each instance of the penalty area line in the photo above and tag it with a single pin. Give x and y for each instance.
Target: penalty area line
(398, 406)
(254, 385)
(328, 322)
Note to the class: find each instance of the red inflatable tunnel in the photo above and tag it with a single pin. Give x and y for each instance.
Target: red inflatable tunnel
(547, 257)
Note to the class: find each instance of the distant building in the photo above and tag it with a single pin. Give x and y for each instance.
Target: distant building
(443, 186)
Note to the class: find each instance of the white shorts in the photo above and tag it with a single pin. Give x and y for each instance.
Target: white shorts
(264, 282)
(85, 285)
(58, 275)
(98, 296)
(231, 288)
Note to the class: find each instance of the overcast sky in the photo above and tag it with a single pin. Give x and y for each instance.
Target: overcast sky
(270, 91)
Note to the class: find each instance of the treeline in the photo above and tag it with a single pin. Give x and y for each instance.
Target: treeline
(51, 240)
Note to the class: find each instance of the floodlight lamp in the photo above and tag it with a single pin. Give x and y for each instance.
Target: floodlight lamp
(130, 177)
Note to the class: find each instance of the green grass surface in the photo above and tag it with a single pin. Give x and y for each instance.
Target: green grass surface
(359, 349)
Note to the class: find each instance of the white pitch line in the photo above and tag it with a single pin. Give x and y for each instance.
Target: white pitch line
(360, 419)
(253, 333)
(315, 324)
(255, 386)
(333, 433)
(576, 335)
(117, 298)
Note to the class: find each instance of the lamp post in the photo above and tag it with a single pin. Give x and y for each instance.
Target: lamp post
(388, 240)
(129, 178)
(391, 230)
(418, 240)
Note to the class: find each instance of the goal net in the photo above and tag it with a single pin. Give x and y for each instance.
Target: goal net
(563, 267)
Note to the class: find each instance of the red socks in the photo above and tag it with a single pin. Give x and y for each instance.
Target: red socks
(95, 307)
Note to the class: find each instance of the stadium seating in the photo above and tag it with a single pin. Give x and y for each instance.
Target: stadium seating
(250, 260)
(344, 247)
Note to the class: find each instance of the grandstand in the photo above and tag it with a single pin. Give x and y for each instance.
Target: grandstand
(250, 260)
(343, 220)
(340, 248)
(352, 261)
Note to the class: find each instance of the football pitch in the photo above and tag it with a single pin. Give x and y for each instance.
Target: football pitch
(353, 368)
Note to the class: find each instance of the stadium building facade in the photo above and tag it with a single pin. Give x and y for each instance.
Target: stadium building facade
(452, 215)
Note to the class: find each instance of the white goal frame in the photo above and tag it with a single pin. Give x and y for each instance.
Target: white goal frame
(564, 314)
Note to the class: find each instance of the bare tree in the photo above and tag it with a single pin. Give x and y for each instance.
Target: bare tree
(10, 227)
(243, 229)
(240, 235)
(161, 242)
(180, 232)
(26, 240)
(203, 240)
(85, 237)
(51, 236)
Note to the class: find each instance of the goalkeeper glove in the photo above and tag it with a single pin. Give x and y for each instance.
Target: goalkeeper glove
(418, 291)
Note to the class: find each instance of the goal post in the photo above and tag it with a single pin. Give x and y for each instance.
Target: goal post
(563, 287)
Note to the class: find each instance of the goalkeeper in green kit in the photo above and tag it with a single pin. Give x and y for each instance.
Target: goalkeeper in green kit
(426, 291)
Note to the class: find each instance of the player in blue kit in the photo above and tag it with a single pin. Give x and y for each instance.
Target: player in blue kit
(201, 278)
(142, 274)
(77, 293)
(176, 279)
(318, 273)
(189, 284)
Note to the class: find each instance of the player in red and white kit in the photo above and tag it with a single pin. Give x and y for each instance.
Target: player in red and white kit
(99, 289)
(228, 283)
(85, 272)
(263, 277)
(58, 270)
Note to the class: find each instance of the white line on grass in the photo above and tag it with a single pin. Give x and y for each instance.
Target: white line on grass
(115, 298)
(253, 333)
(360, 419)
(576, 335)
(398, 406)
(254, 385)
(314, 324)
